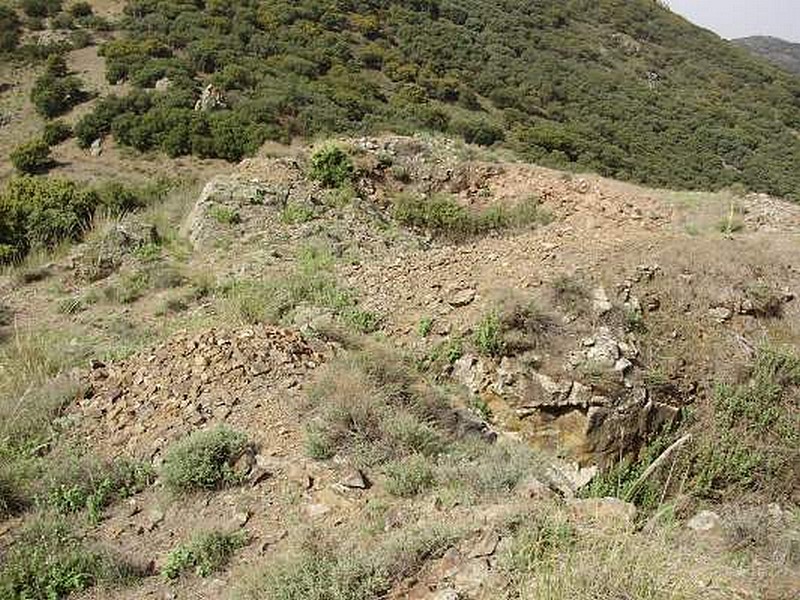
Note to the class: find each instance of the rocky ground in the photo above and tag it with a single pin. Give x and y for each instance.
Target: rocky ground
(619, 310)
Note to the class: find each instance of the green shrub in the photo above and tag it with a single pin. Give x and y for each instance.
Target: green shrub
(31, 157)
(409, 476)
(9, 29)
(332, 167)
(225, 215)
(56, 132)
(41, 8)
(36, 212)
(203, 460)
(206, 553)
(48, 560)
(441, 214)
(75, 486)
(53, 96)
(80, 9)
(488, 335)
(748, 443)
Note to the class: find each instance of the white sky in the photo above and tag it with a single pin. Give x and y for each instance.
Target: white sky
(742, 18)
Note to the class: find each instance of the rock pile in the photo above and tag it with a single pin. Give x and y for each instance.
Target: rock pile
(192, 380)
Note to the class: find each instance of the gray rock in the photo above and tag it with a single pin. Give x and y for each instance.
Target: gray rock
(96, 149)
(720, 314)
(486, 545)
(461, 297)
(705, 521)
(354, 479)
(163, 84)
(600, 302)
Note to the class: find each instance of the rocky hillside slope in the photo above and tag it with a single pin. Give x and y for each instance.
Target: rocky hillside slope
(779, 52)
(394, 367)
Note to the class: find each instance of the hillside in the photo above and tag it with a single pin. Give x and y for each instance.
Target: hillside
(392, 370)
(624, 88)
(333, 300)
(780, 52)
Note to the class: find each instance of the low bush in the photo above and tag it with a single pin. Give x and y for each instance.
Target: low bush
(409, 476)
(31, 157)
(48, 560)
(203, 460)
(41, 8)
(206, 553)
(441, 214)
(76, 485)
(312, 284)
(356, 569)
(56, 132)
(370, 405)
(571, 293)
(748, 442)
(332, 167)
(40, 213)
(225, 215)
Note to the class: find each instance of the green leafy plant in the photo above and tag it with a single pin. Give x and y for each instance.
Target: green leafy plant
(48, 560)
(206, 553)
(332, 167)
(225, 215)
(38, 212)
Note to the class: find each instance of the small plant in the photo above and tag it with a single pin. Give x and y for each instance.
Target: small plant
(203, 460)
(332, 167)
(409, 476)
(425, 327)
(732, 223)
(295, 214)
(94, 486)
(488, 338)
(225, 215)
(31, 157)
(205, 554)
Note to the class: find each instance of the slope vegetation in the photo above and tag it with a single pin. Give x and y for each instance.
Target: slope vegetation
(625, 88)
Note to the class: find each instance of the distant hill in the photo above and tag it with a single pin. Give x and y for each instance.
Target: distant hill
(780, 52)
(622, 87)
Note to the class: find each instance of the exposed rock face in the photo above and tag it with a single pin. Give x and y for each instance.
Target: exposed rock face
(595, 407)
(210, 99)
(103, 255)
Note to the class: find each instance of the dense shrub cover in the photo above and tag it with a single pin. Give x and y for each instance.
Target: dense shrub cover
(623, 87)
(39, 212)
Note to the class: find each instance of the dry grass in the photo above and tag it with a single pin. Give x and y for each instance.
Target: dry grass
(555, 557)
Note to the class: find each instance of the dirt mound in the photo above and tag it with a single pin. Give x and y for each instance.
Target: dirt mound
(142, 404)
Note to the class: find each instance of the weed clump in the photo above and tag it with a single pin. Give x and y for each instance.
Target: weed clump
(206, 553)
(49, 561)
(203, 460)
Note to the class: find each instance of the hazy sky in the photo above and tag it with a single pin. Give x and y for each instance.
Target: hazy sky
(740, 18)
